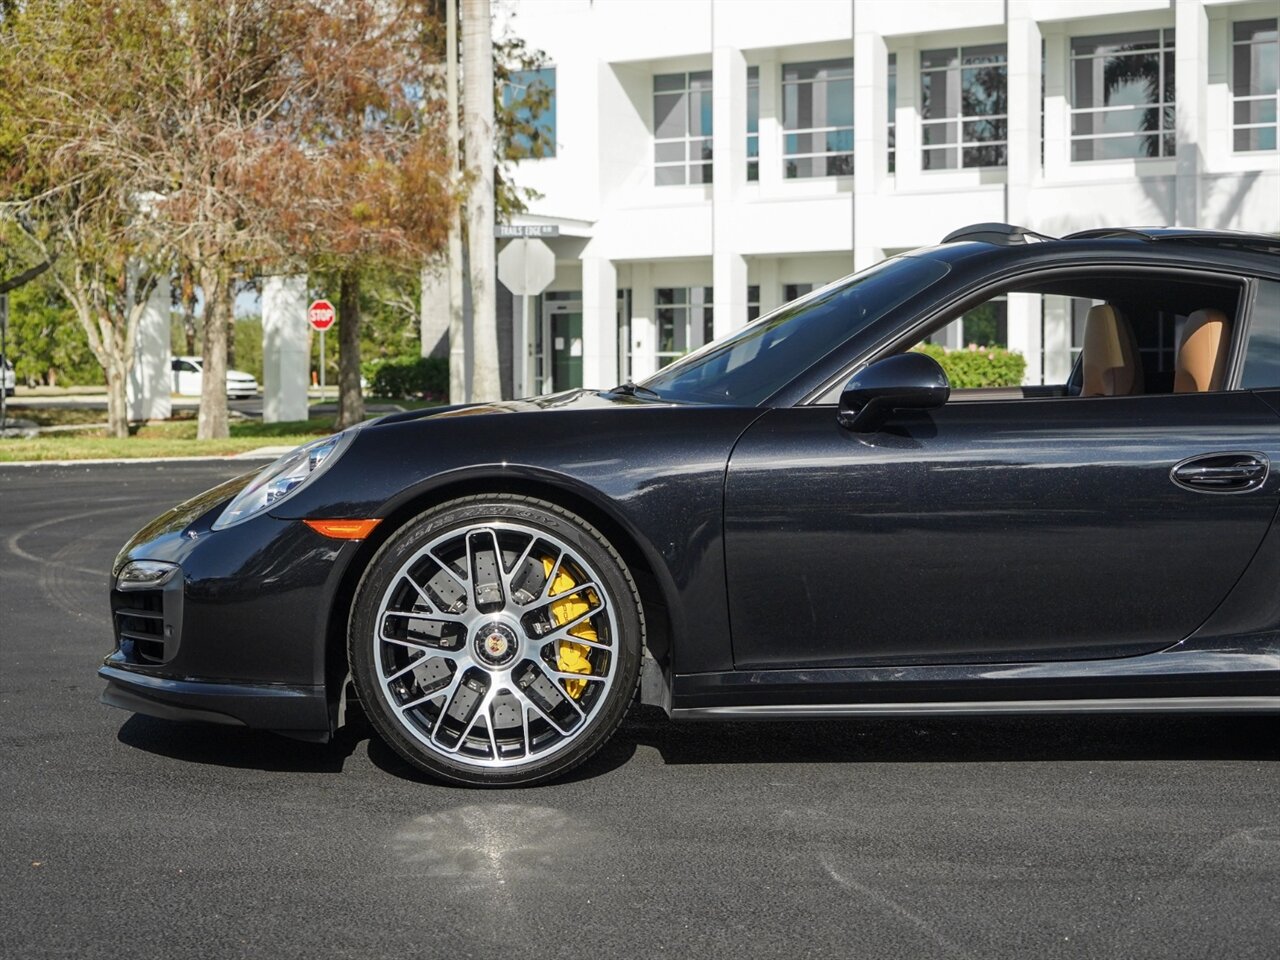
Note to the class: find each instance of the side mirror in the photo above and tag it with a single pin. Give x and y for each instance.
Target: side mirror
(907, 381)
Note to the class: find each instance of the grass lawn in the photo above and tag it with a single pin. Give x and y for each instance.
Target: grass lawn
(172, 439)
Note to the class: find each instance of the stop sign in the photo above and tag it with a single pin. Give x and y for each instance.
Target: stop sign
(320, 315)
(526, 267)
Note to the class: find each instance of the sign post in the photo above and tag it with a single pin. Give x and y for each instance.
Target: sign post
(321, 316)
(526, 268)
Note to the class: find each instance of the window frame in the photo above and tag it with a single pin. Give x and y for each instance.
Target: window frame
(959, 144)
(1161, 50)
(1273, 125)
(687, 139)
(800, 131)
(695, 335)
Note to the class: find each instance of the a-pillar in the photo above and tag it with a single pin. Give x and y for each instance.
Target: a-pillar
(870, 142)
(728, 181)
(1191, 91)
(150, 383)
(599, 323)
(286, 357)
(1024, 111)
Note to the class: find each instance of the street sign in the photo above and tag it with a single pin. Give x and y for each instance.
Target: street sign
(505, 231)
(321, 315)
(526, 267)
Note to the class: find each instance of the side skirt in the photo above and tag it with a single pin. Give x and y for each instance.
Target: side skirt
(984, 707)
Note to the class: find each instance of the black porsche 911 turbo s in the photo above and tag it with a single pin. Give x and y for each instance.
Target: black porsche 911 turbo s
(802, 519)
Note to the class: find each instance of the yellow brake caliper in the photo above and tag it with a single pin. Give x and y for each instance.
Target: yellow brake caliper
(571, 657)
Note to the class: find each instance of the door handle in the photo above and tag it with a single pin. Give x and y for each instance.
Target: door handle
(1222, 472)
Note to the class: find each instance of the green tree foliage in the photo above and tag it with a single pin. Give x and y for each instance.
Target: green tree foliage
(46, 344)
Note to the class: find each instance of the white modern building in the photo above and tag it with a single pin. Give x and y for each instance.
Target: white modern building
(713, 159)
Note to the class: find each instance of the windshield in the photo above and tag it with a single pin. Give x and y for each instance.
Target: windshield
(757, 361)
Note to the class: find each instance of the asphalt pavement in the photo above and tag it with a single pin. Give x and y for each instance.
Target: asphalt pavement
(124, 836)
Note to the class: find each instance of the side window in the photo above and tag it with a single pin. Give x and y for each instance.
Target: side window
(1093, 335)
(1262, 349)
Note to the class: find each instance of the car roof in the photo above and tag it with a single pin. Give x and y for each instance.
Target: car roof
(1003, 243)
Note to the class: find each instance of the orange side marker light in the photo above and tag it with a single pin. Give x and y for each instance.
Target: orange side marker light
(343, 529)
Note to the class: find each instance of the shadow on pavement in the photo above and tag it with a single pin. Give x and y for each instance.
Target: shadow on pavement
(865, 740)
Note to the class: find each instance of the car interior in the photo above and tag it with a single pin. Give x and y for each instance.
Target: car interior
(1140, 335)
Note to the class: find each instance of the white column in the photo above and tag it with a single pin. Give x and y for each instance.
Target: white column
(1057, 116)
(433, 310)
(1191, 88)
(1024, 332)
(907, 121)
(151, 376)
(1024, 111)
(599, 323)
(770, 131)
(729, 179)
(286, 357)
(770, 284)
(1057, 339)
(644, 333)
(870, 142)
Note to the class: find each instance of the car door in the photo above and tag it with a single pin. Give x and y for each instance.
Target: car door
(1002, 531)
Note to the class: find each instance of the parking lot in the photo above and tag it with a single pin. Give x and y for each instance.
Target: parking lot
(1006, 837)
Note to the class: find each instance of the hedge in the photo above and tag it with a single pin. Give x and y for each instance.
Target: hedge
(978, 366)
(421, 378)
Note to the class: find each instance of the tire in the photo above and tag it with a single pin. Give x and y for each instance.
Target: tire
(491, 674)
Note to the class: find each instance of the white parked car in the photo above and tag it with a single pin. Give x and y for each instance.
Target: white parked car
(188, 375)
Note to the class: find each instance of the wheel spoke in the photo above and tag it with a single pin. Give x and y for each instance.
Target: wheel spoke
(481, 708)
(509, 576)
(565, 675)
(430, 615)
(446, 689)
(564, 636)
(531, 703)
(448, 571)
(551, 577)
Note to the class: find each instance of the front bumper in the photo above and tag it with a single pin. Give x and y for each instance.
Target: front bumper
(241, 634)
(300, 712)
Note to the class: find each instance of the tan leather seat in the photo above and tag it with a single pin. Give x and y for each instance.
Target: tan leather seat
(1110, 359)
(1201, 363)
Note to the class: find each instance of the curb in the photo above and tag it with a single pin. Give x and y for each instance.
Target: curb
(267, 453)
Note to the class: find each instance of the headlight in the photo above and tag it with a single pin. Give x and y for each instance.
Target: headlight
(284, 478)
(145, 574)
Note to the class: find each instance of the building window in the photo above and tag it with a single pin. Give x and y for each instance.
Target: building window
(1255, 77)
(893, 108)
(682, 128)
(794, 291)
(817, 119)
(529, 96)
(964, 107)
(753, 123)
(1122, 96)
(753, 301)
(684, 320)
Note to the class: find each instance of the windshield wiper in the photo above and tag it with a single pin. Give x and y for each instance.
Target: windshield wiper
(632, 389)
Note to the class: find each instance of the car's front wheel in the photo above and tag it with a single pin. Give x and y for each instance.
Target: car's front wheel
(496, 640)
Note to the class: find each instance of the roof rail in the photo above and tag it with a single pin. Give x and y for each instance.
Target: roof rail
(1209, 237)
(1000, 234)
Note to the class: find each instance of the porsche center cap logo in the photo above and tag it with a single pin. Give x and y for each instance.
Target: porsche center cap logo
(495, 644)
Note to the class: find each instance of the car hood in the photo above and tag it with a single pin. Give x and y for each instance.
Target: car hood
(568, 400)
(239, 375)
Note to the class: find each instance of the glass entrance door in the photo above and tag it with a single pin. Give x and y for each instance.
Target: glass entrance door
(562, 340)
